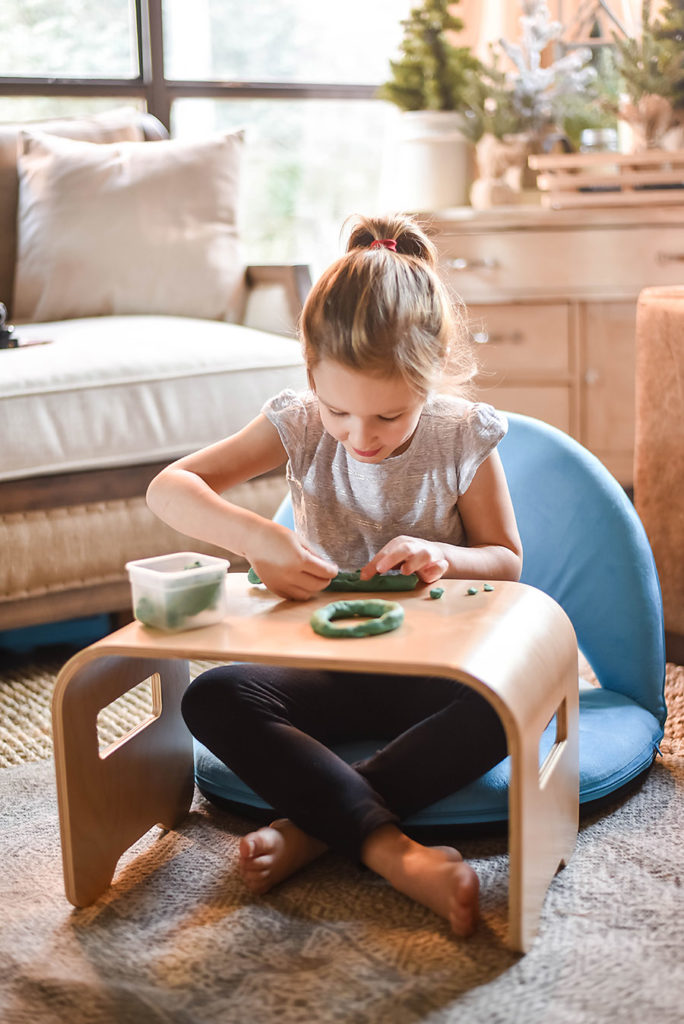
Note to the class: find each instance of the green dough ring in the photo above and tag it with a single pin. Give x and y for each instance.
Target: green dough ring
(352, 581)
(384, 617)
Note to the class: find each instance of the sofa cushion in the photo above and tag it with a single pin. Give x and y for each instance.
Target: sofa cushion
(118, 391)
(122, 124)
(128, 227)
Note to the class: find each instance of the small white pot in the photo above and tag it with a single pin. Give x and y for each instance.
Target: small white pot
(429, 164)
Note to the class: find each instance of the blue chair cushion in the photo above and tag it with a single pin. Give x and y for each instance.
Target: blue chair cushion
(618, 740)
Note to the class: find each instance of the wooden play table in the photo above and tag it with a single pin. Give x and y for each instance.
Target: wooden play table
(514, 645)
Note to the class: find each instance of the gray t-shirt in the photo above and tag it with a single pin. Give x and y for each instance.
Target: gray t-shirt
(348, 510)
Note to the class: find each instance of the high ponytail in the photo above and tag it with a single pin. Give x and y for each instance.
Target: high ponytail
(410, 239)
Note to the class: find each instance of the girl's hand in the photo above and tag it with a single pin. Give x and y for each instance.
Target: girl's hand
(286, 567)
(410, 554)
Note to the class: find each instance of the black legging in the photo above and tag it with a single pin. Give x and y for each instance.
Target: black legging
(273, 727)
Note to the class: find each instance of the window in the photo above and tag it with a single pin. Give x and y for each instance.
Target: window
(276, 41)
(298, 75)
(72, 38)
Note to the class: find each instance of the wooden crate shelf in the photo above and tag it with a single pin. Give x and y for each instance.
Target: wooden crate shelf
(652, 178)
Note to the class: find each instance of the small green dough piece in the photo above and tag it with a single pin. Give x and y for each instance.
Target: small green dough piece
(488, 586)
(352, 581)
(381, 616)
(436, 593)
(471, 590)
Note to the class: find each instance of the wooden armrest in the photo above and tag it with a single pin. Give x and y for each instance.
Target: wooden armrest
(295, 280)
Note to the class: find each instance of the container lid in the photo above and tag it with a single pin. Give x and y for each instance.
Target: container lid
(180, 569)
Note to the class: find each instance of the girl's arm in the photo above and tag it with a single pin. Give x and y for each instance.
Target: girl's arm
(187, 496)
(493, 551)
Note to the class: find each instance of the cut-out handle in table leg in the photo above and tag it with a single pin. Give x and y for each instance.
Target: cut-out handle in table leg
(107, 802)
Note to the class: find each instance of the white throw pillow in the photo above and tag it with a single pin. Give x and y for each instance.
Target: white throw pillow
(128, 227)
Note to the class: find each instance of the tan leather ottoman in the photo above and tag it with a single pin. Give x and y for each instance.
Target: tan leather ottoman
(659, 446)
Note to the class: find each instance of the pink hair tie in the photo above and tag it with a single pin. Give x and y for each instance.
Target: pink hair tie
(384, 243)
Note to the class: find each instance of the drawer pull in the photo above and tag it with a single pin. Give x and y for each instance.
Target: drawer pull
(670, 257)
(461, 263)
(502, 338)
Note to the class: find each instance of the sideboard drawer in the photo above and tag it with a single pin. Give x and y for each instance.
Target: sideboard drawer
(610, 263)
(552, 404)
(521, 340)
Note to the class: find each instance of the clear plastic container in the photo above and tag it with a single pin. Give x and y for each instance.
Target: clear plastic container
(180, 591)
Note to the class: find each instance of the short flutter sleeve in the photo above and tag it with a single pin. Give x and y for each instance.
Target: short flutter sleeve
(482, 427)
(295, 417)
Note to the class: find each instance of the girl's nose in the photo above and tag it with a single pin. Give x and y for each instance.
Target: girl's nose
(362, 436)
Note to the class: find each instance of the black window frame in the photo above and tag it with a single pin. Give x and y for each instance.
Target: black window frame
(159, 92)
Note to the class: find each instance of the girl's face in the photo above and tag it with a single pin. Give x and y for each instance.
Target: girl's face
(372, 417)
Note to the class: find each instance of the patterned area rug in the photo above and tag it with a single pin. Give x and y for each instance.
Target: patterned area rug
(178, 940)
(26, 688)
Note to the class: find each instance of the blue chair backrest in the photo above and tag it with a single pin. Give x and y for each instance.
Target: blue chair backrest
(585, 547)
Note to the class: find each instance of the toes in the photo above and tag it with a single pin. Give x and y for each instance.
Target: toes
(464, 911)
(256, 845)
(247, 847)
(256, 883)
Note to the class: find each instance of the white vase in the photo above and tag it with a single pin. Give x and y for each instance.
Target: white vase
(429, 163)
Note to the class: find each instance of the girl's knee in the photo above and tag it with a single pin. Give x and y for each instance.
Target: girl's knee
(207, 696)
(225, 696)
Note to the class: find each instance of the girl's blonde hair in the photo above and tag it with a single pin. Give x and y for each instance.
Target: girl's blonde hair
(384, 310)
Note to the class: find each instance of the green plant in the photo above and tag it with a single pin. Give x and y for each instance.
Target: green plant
(670, 32)
(653, 64)
(431, 73)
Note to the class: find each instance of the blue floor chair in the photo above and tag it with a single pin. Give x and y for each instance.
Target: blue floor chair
(584, 545)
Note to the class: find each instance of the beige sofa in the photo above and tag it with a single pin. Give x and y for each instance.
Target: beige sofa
(125, 258)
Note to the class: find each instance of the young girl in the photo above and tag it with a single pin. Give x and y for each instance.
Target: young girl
(385, 472)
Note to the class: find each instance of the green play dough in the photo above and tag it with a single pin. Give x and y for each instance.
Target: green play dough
(436, 593)
(177, 607)
(352, 581)
(380, 616)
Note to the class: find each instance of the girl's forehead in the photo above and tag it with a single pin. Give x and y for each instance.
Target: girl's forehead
(354, 391)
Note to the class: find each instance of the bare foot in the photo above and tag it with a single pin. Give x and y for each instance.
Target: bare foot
(273, 853)
(437, 876)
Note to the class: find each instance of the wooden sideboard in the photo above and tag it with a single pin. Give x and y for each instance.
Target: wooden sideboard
(551, 295)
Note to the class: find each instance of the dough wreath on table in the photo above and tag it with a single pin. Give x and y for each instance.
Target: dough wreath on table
(381, 617)
(353, 581)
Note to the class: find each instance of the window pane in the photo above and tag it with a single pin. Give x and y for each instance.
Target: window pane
(35, 108)
(272, 41)
(308, 165)
(69, 39)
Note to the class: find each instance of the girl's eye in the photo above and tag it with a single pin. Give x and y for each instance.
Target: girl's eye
(389, 419)
(335, 412)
